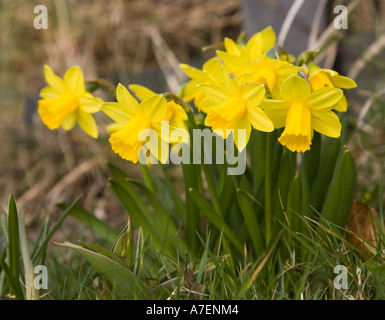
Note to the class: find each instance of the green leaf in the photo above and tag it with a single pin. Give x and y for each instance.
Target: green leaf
(329, 153)
(13, 282)
(251, 221)
(340, 194)
(56, 226)
(126, 283)
(96, 225)
(215, 218)
(13, 237)
(294, 204)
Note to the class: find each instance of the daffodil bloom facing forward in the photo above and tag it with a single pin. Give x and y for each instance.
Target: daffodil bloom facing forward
(321, 78)
(132, 119)
(301, 111)
(66, 102)
(235, 106)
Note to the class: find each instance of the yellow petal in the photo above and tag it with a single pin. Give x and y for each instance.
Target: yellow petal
(231, 47)
(295, 88)
(116, 111)
(241, 139)
(74, 80)
(49, 93)
(227, 84)
(233, 63)
(343, 82)
(141, 92)
(253, 93)
(70, 121)
(193, 73)
(276, 110)
(87, 123)
(154, 107)
(259, 120)
(53, 80)
(324, 99)
(213, 92)
(260, 43)
(326, 123)
(114, 127)
(131, 106)
(342, 105)
(90, 104)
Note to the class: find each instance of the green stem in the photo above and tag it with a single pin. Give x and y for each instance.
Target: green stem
(147, 178)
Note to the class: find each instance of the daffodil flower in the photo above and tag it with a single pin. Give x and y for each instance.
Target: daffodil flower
(301, 111)
(66, 102)
(235, 106)
(257, 45)
(132, 119)
(321, 78)
(175, 115)
(208, 74)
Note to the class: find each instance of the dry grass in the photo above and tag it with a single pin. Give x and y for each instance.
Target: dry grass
(112, 39)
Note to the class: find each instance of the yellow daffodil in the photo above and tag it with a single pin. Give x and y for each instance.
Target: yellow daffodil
(66, 102)
(132, 119)
(235, 106)
(208, 74)
(321, 78)
(236, 54)
(301, 111)
(175, 114)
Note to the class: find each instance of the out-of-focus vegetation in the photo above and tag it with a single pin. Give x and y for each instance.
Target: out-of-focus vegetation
(124, 41)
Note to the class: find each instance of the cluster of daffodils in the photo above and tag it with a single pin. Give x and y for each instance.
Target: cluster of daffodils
(246, 86)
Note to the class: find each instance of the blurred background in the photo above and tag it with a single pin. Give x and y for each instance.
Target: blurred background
(142, 41)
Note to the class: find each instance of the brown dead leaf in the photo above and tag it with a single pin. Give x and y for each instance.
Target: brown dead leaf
(363, 227)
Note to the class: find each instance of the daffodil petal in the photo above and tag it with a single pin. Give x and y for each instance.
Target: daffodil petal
(131, 106)
(89, 103)
(259, 119)
(295, 88)
(231, 47)
(114, 127)
(326, 123)
(53, 80)
(154, 107)
(276, 110)
(343, 82)
(324, 99)
(260, 42)
(228, 84)
(70, 121)
(116, 111)
(234, 64)
(49, 93)
(342, 105)
(253, 93)
(87, 123)
(192, 72)
(74, 80)
(213, 92)
(242, 124)
(141, 92)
